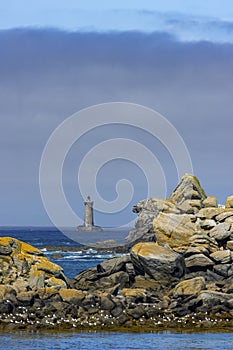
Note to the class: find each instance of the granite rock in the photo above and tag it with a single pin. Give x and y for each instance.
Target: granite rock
(229, 202)
(220, 232)
(160, 263)
(191, 286)
(174, 230)
(188, 188)
(221, 256)
(198, 262)
(210, 202)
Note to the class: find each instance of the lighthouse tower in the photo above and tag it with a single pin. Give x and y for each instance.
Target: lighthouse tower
(88, 224)
(88, 212)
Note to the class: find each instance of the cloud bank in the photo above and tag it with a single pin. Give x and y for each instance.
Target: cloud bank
(47, 75)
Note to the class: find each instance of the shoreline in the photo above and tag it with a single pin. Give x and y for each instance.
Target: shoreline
(180, 325)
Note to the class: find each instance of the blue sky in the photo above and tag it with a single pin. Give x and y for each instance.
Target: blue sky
(187, 19)
(58, 57)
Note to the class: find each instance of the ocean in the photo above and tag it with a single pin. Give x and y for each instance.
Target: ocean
(73, 262)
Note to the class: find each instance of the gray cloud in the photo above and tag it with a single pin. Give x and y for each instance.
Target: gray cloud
(46, 75)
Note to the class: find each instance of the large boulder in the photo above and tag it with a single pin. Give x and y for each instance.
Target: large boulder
(191, 286)
(189, 188)
(118, 279)
(160, 263)
(210, 202)
(73, 296)
(174, 230)
(212, 298)
(115, 272)
(220, 232)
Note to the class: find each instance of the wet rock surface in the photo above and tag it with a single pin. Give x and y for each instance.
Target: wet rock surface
(178, 273)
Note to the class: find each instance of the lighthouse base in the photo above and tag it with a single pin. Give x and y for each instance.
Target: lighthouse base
(90, 228)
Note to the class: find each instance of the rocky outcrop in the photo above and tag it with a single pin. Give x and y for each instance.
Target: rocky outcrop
(178, 273)
(188, 198)
(189, 188)
(160, 263)
(192, 222)
(25, 267)
(200, 230)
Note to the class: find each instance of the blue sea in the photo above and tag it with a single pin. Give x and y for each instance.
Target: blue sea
(73, 263)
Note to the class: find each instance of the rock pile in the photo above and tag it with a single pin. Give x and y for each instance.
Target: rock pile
(179, 273)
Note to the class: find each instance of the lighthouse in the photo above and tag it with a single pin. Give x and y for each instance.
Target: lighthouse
(88, 212)
(88, 225)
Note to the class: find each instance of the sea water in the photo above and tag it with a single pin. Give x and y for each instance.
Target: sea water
(118, 341)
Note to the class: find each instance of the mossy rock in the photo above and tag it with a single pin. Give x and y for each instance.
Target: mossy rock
(49, 267)
(73, 296)
(56, 283)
